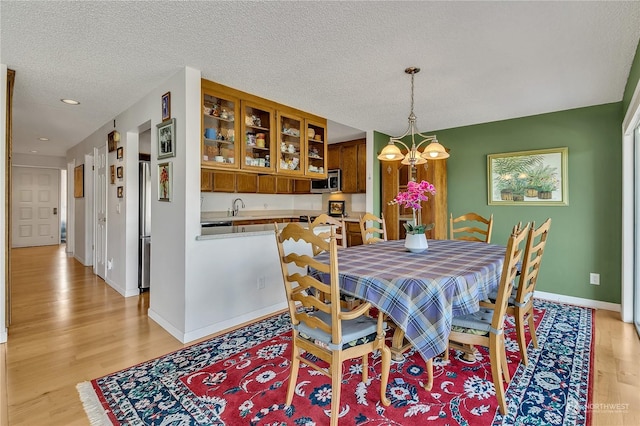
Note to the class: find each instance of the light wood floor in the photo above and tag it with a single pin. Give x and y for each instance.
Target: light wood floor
(69, 326)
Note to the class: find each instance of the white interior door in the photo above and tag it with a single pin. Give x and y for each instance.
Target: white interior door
(100, 190)
(35, 206)
(636, 261)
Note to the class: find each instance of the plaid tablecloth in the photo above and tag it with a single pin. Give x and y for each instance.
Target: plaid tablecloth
(421, 292)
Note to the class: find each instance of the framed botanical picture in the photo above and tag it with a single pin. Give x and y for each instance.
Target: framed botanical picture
(78, 181)
(113, 174)
(165, 176)
(166, 139)
(336, 208)
(534, 178)
(120, 172)
(166, 106)
(120, 153)
(120, 191)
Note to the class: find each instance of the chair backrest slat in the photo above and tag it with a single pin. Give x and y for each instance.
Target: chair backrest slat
(470, 231)
(372, 235)
(340, 230)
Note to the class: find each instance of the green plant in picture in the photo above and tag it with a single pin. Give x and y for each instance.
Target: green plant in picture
(511, 175)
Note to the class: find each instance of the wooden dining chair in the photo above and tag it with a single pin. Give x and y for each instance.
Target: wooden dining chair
(486, 327)
(337, 224)
(521, 300)
(470, 227)
(324, 330)
(373, 234)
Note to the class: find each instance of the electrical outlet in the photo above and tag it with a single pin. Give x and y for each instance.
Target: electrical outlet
(261, 282)
(594, 278)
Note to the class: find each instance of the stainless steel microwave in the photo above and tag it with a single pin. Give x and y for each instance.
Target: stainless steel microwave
(333, 182)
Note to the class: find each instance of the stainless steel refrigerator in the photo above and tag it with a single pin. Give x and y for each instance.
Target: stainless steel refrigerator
(144, 244)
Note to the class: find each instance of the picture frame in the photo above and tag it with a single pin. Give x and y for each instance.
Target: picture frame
(166, 106)
(120, 172)
(165, 178)
(528, 178)
(166, 139)
(113, 174)
(120, 153)
(336, 208)
(78, 181)
(120, 191)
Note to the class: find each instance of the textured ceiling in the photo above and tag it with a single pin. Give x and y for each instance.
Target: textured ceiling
(481, 61)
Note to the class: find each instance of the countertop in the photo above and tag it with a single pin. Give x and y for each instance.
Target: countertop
(224, 227)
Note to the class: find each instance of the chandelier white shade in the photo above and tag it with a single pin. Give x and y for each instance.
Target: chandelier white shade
(433, 151)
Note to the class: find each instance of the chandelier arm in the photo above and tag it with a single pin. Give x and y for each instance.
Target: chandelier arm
(399, 142)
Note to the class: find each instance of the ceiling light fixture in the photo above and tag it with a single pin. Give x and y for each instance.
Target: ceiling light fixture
(70, 101)
(43, 139)
(433, 151)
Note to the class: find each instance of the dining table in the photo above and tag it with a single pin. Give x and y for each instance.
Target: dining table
(420, 292)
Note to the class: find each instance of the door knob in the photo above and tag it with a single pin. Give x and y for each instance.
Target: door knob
(55, 210)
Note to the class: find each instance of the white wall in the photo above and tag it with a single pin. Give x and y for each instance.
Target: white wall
(3, 196)
(33, 160)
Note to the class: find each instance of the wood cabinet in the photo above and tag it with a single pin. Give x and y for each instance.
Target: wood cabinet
(246, 183)
(394, 178)
(351, 158)
(244, 132)
(301, 186)
(206, 180)
(354, 236)
(224, 181)
(269, 184)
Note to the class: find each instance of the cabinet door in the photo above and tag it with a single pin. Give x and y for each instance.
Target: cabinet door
(354, 236)
(224, 181)
(246, 183)
(219, 129)
(259, 139)
(301, 186)
(266, 184)
(206, 180)
(361, 186)
(333, 156)
(349, 162)
(284, 185)
(435, 210)
(316, 153)
(290, 159)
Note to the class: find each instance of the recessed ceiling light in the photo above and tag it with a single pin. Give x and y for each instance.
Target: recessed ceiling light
(43, 139)
(70, 101)
(33, 151)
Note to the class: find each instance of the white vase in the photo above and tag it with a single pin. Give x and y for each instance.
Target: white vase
(416, 243)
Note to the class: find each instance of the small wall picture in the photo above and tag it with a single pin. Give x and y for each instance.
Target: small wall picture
(113, 139)
(78, 181)
(120, 153)
(336, 208)
(113, 174)
(166, 139)
(120, 172)
(166, 106)
(165, 176)
(120, 191)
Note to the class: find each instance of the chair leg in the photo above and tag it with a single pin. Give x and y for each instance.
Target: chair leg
(293, 372)
(532, 329)
(497, 370)
(522, 342)
(365, 367)
(505, 364)
(429, 385)
(384, 379)
(336, 384)
(446, 352)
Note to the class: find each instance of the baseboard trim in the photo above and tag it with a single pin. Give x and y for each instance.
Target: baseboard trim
(589, 303)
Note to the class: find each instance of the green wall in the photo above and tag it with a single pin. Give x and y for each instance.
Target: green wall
(585, 236)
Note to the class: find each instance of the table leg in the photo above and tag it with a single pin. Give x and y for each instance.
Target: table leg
(398, 345)
(429, 384)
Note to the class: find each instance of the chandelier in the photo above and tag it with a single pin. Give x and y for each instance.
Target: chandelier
(433, 151)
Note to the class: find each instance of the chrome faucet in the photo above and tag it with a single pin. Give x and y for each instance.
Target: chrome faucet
(235, 206)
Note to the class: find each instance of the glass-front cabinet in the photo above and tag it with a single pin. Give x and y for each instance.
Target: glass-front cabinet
(219, 124)
(291, 146)
(258, 137)
(316, 136)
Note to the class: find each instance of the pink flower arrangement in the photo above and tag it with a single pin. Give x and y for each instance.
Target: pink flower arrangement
(414, 195)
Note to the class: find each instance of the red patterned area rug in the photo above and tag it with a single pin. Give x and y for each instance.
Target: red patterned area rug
(240, 378)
